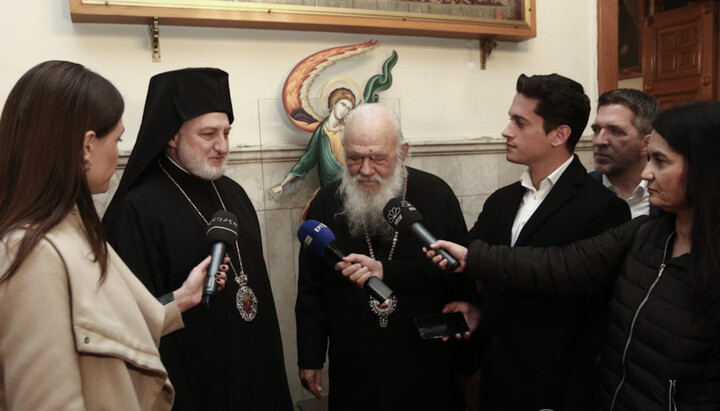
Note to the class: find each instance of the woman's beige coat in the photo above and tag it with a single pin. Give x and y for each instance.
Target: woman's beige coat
(68, 342)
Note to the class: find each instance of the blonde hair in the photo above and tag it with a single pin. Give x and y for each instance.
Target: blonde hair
(338, 94)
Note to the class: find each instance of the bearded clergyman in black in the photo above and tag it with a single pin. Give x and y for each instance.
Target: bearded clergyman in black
(228, 357)
(377, 359)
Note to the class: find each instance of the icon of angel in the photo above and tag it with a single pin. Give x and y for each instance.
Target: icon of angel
(339, 97)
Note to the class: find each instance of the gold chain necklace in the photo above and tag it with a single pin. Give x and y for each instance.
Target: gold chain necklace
(245, 299)
(392, 247)
(387, 307)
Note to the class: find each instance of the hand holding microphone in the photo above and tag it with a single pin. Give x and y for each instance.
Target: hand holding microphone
(222, 231)
(403, 217)
(455, 250)
(318, 238)
(190, 292)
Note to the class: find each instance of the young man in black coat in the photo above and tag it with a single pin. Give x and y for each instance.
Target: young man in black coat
(538, 351)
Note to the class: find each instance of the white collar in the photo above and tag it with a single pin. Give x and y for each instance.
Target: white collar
(640, 190)
(177, 165)
(551, 179)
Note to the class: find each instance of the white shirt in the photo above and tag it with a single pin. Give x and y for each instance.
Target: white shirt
(533, 198)
(639, 201)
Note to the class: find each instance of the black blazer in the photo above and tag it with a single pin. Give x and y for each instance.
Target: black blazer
(538, 351)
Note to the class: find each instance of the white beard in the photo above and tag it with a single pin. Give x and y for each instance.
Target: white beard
(363, 206)
(197, 165)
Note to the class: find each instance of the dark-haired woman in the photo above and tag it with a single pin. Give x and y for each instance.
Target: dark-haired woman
(661, 349)
(77, 329)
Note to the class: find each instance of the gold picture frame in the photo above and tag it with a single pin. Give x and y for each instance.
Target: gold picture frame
(505, 20)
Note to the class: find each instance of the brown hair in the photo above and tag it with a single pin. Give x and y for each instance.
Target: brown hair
(340, 94)
(42, 131)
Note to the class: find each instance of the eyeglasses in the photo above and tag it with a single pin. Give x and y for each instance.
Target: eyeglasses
(356, 159)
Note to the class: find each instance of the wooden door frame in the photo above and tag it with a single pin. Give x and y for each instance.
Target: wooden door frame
(607, 45)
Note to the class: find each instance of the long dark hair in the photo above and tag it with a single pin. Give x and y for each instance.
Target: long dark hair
(693, 130)
(42, 130)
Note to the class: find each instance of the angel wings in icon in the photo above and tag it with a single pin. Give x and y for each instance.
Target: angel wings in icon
(339, 96)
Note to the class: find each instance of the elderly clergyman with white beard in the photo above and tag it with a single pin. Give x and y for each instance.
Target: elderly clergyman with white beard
(377, 359)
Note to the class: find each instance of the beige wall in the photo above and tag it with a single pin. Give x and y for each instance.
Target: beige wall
(452, 112)
(441, 90)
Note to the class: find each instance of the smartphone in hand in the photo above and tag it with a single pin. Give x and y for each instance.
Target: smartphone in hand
(441, 325)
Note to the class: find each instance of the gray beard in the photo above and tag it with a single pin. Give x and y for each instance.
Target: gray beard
(197, 165)
(363, 207)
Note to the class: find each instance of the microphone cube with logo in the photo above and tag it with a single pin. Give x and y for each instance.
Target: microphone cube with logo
(404, 218)
(222, 230)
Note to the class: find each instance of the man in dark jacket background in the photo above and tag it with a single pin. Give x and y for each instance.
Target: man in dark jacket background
(621, 132)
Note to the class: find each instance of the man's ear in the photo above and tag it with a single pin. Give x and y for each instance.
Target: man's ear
(560, 135)
(88, 143)
(404, 148)
(645, 142)
(174, 141)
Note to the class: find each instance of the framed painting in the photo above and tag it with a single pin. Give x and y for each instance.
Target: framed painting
(630, 15)
(506, 20)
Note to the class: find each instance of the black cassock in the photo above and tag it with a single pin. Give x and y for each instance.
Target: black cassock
(218, 361)
(374, 368)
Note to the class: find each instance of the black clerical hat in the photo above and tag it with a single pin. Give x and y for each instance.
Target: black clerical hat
(173, 98)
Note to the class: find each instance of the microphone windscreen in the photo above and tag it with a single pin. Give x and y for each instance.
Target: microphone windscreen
(315, 236)
(223, 226)
(400, 214)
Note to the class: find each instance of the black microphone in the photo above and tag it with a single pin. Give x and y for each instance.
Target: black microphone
(221, 231)
(404, 217)
(317, 238)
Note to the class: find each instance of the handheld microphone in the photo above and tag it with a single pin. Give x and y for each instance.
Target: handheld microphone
(317, 237)
(221, 231)
(403, 217)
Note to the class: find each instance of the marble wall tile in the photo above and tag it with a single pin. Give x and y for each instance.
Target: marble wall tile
(296, 222)
(262, 216)
(479, 175)
(472, 206)
(297, 193)
(281, 241)
(249, 176)
(445, 167)
(466, 174)
(103, 200)
(508, 172)
(282, 270)
(414, 162)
